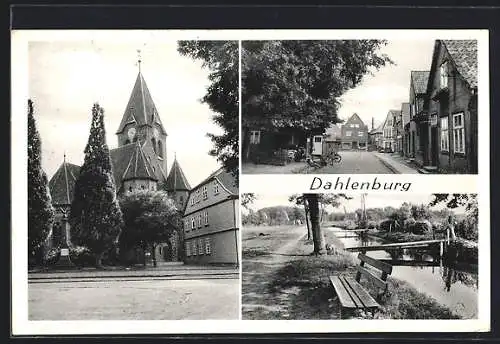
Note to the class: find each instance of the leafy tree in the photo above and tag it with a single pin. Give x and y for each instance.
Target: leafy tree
(150, 218)
(297, 84)
(420, 212)
(301, 200)
(452, 201)
(40, 211)
(95, 216)
(222, 59)
(247, 199)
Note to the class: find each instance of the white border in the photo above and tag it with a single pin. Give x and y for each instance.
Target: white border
(19, 78)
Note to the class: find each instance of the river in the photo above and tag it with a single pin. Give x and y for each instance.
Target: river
(455, 288)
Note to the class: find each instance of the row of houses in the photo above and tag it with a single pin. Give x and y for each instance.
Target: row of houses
(437, 128)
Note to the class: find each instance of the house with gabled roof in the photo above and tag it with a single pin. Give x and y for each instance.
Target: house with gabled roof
(389, 126)
(451, 108)
(211, 221)
(354, 133)
(417, 126)
(404, 130)
(138, 163)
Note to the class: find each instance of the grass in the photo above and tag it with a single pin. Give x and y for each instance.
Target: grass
(299, 287)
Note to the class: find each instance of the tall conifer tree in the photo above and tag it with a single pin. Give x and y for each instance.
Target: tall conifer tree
(95, 217)
(40, 211)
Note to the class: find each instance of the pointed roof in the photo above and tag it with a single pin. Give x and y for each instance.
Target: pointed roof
(405, 113)
(176, 179)
(130, 162)
(464, 55)
(62, 183)
(227, 180)
(355, 116)
(141, 108)
(419, 79)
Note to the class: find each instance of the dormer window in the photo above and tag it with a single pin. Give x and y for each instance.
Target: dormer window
(443, 75)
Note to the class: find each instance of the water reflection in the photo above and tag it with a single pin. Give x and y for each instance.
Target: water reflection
(454, 285)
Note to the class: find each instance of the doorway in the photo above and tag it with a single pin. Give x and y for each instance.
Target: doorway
(434, 146)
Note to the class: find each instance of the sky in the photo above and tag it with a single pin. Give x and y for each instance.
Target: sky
(67, 77)
(371, 201)
(390, 85)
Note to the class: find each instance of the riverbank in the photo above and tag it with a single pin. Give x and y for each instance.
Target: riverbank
(461, 251)
(296, 286)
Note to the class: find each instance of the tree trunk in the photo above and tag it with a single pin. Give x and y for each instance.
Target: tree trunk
(318, 238)
(452, 232)
(307, 221)
(153, 253)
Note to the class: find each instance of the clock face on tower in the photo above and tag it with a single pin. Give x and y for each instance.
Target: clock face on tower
(155, 133)
(131, 133)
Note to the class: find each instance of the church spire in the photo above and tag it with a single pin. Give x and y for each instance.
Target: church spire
(139, 59)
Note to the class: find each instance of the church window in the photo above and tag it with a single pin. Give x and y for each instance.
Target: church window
(160, 149)
(153, 142)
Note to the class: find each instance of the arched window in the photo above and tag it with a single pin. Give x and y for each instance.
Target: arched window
(160, 149)
(153, 142)
(130, 189)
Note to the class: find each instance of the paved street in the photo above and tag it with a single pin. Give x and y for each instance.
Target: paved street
(148, 299)
(352, 162)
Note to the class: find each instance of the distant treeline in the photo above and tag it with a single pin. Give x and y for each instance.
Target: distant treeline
(409, 218)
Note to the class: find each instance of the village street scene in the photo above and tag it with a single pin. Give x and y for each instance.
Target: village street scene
(363, 256)
(133, 200)
(360, 106)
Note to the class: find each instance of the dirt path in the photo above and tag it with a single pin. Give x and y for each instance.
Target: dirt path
(260, 300)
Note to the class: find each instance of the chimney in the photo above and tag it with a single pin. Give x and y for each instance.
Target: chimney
(373, 123)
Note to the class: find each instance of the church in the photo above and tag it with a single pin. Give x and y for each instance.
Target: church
(138, 163)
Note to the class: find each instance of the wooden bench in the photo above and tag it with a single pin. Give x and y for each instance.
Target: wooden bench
(352, 295)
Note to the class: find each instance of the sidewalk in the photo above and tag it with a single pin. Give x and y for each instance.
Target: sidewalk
(293, 167)
(182, 271)
(396, 163)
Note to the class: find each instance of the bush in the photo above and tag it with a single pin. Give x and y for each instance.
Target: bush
(421, 227)
(385, 225)
(372, 224)
(52, 256)
(409, 225)
(467, 229)
(81, 256)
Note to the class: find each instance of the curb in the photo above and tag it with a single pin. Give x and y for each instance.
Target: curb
(132, 278)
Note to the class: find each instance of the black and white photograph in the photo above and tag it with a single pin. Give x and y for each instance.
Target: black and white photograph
(364, 106)
(363, 256)
(133, 201)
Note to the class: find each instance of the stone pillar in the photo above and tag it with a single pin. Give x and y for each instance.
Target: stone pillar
(64, 259)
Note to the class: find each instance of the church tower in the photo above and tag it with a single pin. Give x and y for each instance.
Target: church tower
(141, 121)
(177, 185)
